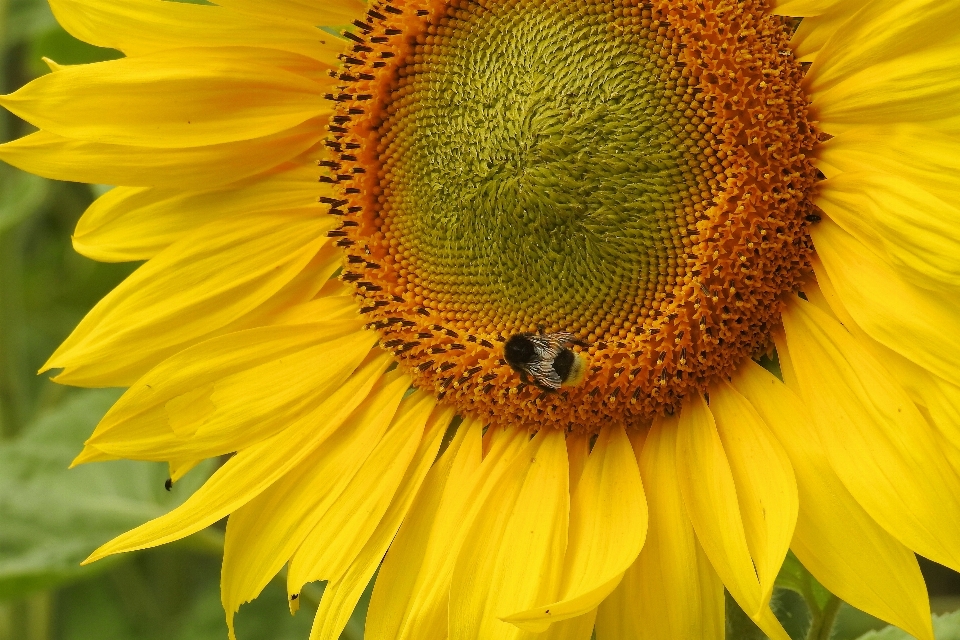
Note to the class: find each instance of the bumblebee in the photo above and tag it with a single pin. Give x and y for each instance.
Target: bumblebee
(546, 359)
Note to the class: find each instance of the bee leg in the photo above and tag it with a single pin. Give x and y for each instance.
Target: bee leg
(580, 343)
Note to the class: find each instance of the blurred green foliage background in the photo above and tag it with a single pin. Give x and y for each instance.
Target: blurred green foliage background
(51, 517)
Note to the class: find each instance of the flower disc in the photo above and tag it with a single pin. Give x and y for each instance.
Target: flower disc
(635, 174)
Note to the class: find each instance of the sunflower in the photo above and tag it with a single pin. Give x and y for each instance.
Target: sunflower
(472, 294)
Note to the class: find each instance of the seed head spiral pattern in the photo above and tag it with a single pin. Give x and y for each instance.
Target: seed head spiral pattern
(636, 173)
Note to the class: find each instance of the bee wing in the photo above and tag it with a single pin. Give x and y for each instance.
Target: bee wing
(544, 374)
(547, 347)
(565, 339)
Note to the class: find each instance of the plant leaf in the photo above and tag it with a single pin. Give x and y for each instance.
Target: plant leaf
(795, 577)
(21, 194)
(53, 516)
(27, 19)
(945, 627)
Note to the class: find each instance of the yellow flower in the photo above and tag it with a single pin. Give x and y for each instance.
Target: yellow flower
(630, 194)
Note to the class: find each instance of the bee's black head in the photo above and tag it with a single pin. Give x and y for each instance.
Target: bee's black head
(519, 350)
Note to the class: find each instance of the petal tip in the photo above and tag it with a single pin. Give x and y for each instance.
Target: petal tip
(88, 454)
(530, 621)
(93, 557)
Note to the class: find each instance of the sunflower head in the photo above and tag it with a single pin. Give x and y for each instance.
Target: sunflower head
(633, 174)
(575, 218)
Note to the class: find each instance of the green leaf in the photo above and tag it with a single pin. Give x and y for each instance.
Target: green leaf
(61, 47)
(266, 617)
(945, 627)
(739, 626)
(21, 194)
(26, 19)
(795, 577)
(166, 594)
(54, 517)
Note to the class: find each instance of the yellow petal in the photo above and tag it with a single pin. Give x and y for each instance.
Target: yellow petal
(710, 497)
(938, 399)
(578, 448)
(892, 64)
(189, 291)
(131, 223)
(608, 524)
(254, 469)
(766, 487)
(579, 628)
(835, 539)
(207, 167)
(329, 549)
(637, 439)
(410, 597)
(264, 533)
(512, 556)
(917, 230)
(415, 605)
(311, 13)
(336, 306)
(139, 27)
(312, 283)
(925, 156)
(671, 591)
(179, 468)
(884, 30)
(225, 394)
(91, 454)
(904, 482)
(224, 94)
(802, 8)
(708, 486)
(824, 20)
(919, 324)
(341, 597)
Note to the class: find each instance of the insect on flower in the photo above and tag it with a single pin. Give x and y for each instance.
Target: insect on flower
(546, 358)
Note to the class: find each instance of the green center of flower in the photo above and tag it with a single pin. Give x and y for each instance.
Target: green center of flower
(535, 166)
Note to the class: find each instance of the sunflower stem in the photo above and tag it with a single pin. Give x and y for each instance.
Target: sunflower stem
(822, 620)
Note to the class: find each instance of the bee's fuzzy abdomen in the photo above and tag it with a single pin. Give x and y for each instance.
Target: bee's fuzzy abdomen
(577, 371)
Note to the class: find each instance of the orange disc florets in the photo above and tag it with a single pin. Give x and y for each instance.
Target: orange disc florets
(634, 173)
